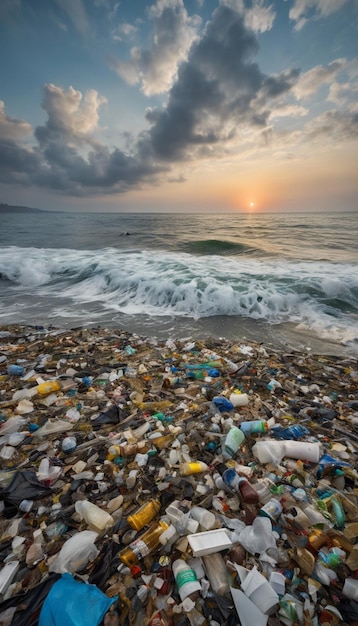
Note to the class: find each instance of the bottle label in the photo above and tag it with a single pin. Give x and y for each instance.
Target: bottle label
(185, 576)
(140, 548)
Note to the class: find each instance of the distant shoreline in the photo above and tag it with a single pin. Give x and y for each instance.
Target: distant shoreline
(9, 208)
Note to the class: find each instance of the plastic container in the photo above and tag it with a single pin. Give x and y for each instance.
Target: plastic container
(48, 387)
(303, 450)
(205, 518)
(69, 444)
(272, 509)
(15, 370)
(223, 404)
(248, 494)
(95, 517)
(272, 451)
(185, 578)
(296, 431)
(232, 442)
(146, 543)
(255, 426)
(239, 399)
(194, 467)
(145, 514)
(240, 484)
(217, 574)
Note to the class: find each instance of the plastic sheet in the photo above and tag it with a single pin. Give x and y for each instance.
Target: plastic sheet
(71, 603)
(24, 486)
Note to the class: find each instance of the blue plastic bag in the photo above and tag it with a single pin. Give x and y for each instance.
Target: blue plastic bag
(72, 603)
(223, 404)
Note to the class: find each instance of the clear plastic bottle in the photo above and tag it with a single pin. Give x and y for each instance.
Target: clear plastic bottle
(146, 543)
(145, 514)
(216, 572)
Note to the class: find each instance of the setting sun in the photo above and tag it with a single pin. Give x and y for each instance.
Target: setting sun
(252, 204)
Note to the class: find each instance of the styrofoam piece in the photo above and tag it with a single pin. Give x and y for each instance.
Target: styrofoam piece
(247, 611)
(277, 582)
(350, 589)
(260, 592)
(242, 571)
(7, 574)
(209, 541)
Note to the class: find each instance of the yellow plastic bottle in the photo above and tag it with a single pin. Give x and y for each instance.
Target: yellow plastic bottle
(195, 467)
(48, 387)
(145, 514)
(145, 544)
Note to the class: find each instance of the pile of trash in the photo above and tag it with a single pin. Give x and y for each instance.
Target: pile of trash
(175, 483)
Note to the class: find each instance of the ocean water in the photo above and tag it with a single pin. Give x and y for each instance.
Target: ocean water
(289, 280)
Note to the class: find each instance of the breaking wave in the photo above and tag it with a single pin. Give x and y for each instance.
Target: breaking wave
(316, 295)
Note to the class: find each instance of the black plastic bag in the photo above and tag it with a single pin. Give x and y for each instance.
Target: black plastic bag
(29, 603)
(24, 486)
(114, 415)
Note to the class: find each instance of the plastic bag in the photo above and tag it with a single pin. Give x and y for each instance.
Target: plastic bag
(75, 553)
(71, 603)
(28, 604)
(24, 486)
(114, 415)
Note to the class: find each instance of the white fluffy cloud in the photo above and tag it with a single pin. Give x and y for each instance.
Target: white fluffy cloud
(156, 67)
(259, 17)
(70, 114)
(311, 81)
(304, 10)
(11, 128)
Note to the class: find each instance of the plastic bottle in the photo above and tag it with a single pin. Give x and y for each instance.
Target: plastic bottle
(248, 494)
(15, 370)
(239, 399)
(296, 431)
(269, 451)
(163, 442)
(205, 518)
(95, 517)
(144, 514)
(146, 543)
(272, 509)
(240, 484)
(216, 572)
(185, 579)
(233, 441)
(263, 491)
(255, 426)
(194, 467)
(48, 387)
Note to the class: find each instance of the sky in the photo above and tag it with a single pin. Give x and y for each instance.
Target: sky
(179, 105)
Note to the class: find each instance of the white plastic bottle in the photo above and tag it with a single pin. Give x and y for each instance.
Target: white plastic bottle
(95, 517)
(185, 579)
(205, 518)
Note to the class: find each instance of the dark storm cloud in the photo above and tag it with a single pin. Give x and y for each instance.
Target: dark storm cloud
(219, 89)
